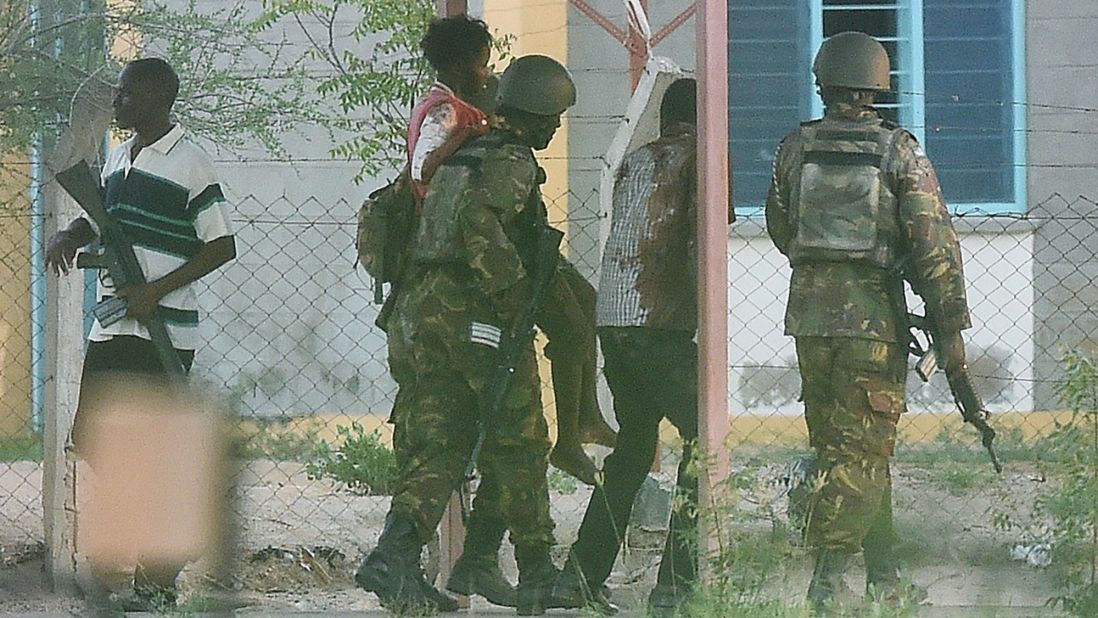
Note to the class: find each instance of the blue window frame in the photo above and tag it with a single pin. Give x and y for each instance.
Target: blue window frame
(958, 84)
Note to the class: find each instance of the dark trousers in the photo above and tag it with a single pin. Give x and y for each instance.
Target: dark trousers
(653, 374)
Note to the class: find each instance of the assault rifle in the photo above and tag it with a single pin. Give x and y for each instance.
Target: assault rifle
(960, 384)
(516, 340)
(117, 257)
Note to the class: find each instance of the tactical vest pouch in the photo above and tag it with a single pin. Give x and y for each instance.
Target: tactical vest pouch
(386, 224)
(839, 204)
(843, 211)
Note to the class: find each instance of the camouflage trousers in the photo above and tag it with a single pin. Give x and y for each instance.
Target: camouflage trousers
(443, 377)
(853, 392)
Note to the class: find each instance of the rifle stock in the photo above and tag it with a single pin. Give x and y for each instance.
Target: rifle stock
(960, 385)
(118, 258)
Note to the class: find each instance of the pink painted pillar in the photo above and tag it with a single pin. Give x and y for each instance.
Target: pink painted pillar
(451, 529)
(638, 57)
(713, 203)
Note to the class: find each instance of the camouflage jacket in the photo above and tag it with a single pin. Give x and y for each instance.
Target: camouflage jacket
(852, 299)
(478, 218)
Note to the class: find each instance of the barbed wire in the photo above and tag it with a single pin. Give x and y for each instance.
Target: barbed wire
(974, 374)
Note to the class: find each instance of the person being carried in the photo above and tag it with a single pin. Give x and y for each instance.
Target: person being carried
(471, 277)
(458, 48)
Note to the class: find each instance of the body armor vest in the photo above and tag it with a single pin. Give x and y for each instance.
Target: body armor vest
(436, 239)
(844, 209)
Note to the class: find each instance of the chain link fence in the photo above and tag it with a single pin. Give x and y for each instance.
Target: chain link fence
(22, 294)
(292, 346)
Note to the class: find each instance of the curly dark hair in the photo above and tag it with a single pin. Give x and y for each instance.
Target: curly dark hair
(454, 40)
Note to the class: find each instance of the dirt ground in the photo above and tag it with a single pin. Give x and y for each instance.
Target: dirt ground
(302, 539)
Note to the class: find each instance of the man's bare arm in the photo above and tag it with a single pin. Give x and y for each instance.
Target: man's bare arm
(143, 298)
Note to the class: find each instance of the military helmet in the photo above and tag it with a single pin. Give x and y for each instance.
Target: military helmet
(538, 85)
(852, 60)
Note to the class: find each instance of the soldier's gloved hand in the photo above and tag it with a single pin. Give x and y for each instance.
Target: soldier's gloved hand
(951, 351)
(511, 302)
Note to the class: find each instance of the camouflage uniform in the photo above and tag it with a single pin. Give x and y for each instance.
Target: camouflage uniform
(846, 302)
(468, 270)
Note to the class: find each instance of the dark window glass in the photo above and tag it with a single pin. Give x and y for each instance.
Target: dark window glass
(769, 69)
(969, 90)
(877, 19)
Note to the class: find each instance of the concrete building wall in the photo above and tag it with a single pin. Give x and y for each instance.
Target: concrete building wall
(277, 341)
(539, 28)
(600, 65)
(1062, 81)
(290, 322)
(1000, 258)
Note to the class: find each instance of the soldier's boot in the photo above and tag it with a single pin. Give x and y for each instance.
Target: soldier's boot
(883, 580)
(536, 577)
(393, 572)
(828, 589)
(477, 572)
(568, 454)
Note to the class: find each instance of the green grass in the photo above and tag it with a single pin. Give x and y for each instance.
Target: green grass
(284, 446)
(958, 478)
(1009, 446)
(28, 448)
(561, 482)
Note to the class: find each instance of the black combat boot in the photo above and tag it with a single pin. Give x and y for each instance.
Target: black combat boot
(393, 572)
(536, 577)
(828, 588)
(477, 572)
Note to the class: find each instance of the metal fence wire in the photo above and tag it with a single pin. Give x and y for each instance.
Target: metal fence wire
(20, 385)
(290, 343)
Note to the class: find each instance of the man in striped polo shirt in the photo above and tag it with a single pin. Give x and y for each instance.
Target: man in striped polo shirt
(163, 191)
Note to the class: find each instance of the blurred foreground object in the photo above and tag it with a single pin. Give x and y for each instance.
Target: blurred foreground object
(159, 488)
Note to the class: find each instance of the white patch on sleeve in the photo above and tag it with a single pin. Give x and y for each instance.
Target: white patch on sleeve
(485, 334)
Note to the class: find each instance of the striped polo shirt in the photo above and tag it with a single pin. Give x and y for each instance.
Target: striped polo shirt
(169, 203)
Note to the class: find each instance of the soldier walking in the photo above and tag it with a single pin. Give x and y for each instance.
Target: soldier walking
(472, 265)
(856, 207)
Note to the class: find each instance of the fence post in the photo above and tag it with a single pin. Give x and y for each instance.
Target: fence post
(64, 353)
(452, 529)
(713, 202)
